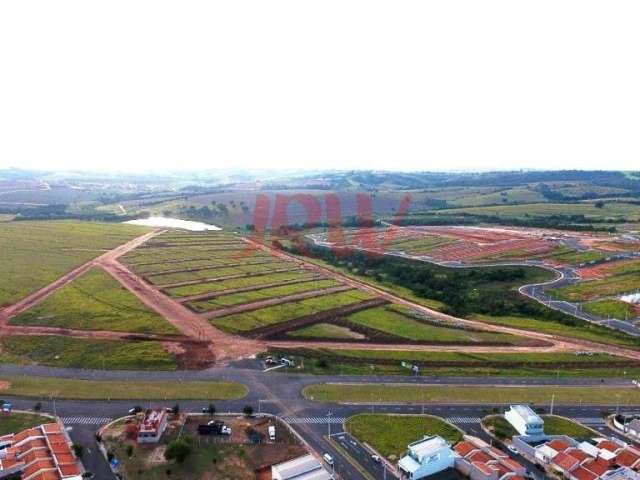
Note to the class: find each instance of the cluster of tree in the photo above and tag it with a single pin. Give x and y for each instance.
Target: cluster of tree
(60, 211)
(561, 222)
(464, 291)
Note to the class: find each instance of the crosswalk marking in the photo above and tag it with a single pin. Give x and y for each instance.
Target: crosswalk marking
(591, 421)
(314, 420)
(85, 420)
(463, 420)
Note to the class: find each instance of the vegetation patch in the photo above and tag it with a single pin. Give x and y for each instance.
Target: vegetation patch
(328, 331)
(367, 393)
(95, 301)
(50, 387)
(555, 425)
(60, 351)
(18, 421)
(499, 426)
(389, 435)
(280, 313)
(610, 309)
(36, 253)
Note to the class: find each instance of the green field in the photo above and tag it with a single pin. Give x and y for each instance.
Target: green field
(389, 435)
(217, 286)
(325, 330)
(593, 289)
(581, 329)
(35, 254)
(555, 425)
(415, 246)
(388, 362)
(390, 320)
(146, 269)
(221, 272)
(610, 308)
(262, 294)
(627, 211)
(280, 313)
(499, 426)
(540, 395)
(19, 421)
(50, 387)
(95, 301)
(59, 351)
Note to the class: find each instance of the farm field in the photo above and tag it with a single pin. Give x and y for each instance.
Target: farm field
(95, 301)
(62, 351)
(389, 435)
(35, 253)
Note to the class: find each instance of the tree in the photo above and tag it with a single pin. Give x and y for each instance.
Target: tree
(247, 410)
(78, 449)
(599, 204)
(178, 450)
(37, 407)
(176, 409)
(211, 409)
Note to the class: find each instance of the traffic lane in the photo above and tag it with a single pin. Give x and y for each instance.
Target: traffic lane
(315, 437)
(361, 455)
(92, 458)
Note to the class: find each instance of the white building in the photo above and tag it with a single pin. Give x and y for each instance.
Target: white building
(525, 420)
(426, 457)
(301, 468)
(153, 426)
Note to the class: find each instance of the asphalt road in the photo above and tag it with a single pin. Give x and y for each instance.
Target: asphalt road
(280, 395)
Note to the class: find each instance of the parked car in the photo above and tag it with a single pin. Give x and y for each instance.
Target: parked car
(135, 410)
(512, 449)
(376, 458)
(272, 433)
(328, 458)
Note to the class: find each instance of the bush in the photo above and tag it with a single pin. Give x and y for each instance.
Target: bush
(247, 410)
(178, 450)
(78, 449)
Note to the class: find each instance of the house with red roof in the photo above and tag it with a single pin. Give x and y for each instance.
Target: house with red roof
(39, 453)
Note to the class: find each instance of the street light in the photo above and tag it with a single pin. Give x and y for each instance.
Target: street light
(329, 414)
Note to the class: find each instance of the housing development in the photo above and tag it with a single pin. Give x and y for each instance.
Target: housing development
(335, 325)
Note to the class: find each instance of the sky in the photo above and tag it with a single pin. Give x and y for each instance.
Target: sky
(341, 84)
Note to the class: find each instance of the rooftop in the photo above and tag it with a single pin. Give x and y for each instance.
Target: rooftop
(301, 468)
(527, 413)
(427, 446)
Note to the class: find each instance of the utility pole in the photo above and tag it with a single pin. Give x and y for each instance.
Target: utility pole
(329, 423)
(553, 397)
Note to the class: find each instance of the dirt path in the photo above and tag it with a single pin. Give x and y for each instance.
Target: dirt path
(559, 343)
(40, 295)
(248, 307)
(190, 324)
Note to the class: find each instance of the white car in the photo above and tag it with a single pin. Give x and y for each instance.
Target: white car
(512, 449)
(328, 458)
(225, 430)
(375, 458)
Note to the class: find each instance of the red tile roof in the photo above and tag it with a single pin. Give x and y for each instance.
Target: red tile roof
(512, 465)
(483, 468)
(464, 448)
(597, 466)
(558, 445)
(582, 473)
(577, 454)
(479, 456)
(626, 458)
(565, 462)
(609, 445)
